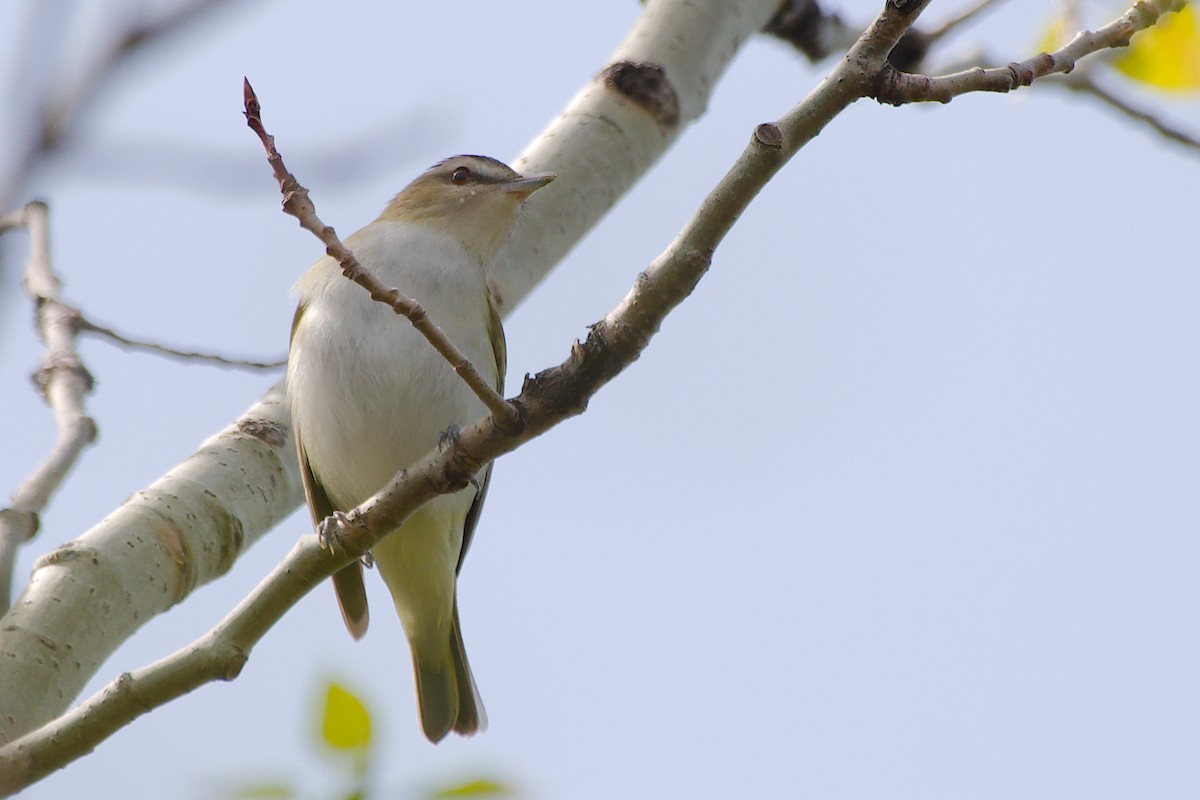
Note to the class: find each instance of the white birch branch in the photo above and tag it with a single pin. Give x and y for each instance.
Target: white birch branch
(186, 529)
(64, 383)
(189, 527)
(656, 83)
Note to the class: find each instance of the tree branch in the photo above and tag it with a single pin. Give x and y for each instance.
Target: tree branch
(818, 34)
(181, 532)
(1083, 82)
(120, 339)
(898, 88)
(64, 383)
(953, 23)
(611, 132)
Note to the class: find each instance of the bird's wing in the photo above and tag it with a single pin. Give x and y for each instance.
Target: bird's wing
(500, 352)
(348, 581)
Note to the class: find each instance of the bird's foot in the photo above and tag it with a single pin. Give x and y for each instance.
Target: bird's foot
(331, 535)
(449, 438)
(329, 531)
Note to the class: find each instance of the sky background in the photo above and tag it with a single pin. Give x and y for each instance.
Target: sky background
(901, 503)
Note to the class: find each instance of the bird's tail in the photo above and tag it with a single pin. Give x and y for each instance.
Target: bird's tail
(446, 692)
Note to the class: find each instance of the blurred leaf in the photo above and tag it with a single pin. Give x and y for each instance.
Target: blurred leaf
(345, 723)
(262, 791)
(480, 787)
(1166, 56)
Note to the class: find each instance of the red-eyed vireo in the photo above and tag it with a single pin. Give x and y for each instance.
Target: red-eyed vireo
(370, 396)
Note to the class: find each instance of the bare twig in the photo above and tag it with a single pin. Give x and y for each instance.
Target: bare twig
(296, 202)
(1083, 82)
(546, 399)
(958, 20)
(87, 326)
(63, 381)
(897, 87)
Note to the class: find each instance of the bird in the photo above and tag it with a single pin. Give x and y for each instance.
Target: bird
(369, 396)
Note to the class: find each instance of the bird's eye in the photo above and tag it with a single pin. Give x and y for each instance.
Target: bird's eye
(459, 176)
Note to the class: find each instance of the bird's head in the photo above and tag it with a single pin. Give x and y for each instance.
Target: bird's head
(475, 199)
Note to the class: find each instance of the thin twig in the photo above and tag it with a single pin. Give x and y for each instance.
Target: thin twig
(958, 20)
(897, 87)
(87, 326)
(64, 382)
(296, 202)
(1082, 81)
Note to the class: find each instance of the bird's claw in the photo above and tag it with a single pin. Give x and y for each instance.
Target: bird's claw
(331, 536)
(329, 531)
(449, 438)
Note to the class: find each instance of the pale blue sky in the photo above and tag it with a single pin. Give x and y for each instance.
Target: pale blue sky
(902, 503)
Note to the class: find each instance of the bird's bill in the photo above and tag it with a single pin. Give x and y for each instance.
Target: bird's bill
(528, 184)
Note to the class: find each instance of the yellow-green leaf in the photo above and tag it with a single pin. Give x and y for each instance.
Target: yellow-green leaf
(1166, 56)
(480, 787)
(346, 723)
(262, 791)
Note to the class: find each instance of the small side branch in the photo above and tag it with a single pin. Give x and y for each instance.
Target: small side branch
(1084, 83)
(955, 22)
(897, 88)
(297, 203)
(63, 381)
(104, 332)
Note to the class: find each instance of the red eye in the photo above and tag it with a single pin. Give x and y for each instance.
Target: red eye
(459, 176)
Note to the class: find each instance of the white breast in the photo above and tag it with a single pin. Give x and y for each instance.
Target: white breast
(369, 394)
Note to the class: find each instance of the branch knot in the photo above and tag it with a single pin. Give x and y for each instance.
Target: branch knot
(648, 86)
